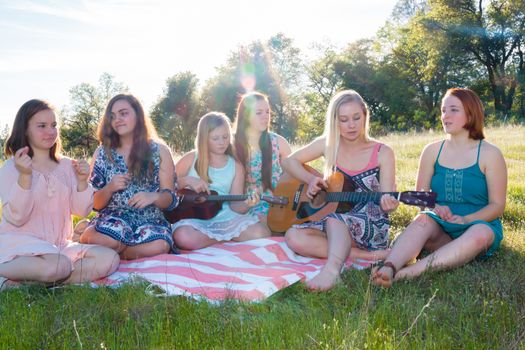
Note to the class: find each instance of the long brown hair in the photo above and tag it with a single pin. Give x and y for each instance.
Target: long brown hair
(245, 109)
(140, 158)
(473, 110)
(18, 137)
(209, 122)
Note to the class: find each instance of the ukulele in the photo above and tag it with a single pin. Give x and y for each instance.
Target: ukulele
(205, 206)
(339, 196)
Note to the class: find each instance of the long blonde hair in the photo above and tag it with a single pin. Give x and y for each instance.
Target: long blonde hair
(209, 122)
(331, 127)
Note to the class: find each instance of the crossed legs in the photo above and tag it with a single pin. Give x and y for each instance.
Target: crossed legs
(425, 233)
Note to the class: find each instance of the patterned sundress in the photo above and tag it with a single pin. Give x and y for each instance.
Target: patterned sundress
(118, 220)
(367, 223)
(227, 224)
(254, 174)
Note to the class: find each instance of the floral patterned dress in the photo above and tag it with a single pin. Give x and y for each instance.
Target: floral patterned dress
(367, 223)
(118, 219)
(254, 174)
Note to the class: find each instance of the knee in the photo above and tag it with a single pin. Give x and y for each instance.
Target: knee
(260, 231)
(107, 259)
(293, 239)
(160, 246)
(56, 270)
(184, 239)
(482, 238)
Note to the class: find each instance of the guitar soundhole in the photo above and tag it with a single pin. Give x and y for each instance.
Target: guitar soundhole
(319, 200)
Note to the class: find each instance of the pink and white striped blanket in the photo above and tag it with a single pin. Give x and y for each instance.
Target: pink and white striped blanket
(250, 271)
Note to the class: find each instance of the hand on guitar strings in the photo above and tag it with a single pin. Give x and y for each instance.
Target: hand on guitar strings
(253, 198)
(315, 185)
(388, 203)
(196, 184)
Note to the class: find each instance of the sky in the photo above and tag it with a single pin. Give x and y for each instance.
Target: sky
(47, 46)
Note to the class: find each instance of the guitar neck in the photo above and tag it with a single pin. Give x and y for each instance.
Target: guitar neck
(227, 197)
(357, 197)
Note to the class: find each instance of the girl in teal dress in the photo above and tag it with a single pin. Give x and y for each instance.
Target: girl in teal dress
(259, 150)
(469, 176)
(212, 167)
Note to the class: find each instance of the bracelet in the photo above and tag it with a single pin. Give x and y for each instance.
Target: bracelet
(174, 199)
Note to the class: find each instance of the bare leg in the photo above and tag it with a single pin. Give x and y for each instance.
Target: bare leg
(254, 231)
(373, 255)
(47, 268)
(145, 250)
(188, 238)
(408, 246)
(475, 240)
(92, 236)
(98, 262)
(339, 244)
(308, 242)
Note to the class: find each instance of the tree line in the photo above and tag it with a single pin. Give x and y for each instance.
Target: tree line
(425, 47)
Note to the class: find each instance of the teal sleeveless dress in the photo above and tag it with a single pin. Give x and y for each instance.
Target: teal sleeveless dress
(464, 191)
(227, 224)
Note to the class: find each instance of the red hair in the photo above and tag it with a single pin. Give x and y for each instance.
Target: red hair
(473, 109)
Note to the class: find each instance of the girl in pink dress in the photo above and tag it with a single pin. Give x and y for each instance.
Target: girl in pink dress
(39, 190)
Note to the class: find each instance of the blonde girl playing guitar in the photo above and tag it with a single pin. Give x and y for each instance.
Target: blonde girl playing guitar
(370, 165)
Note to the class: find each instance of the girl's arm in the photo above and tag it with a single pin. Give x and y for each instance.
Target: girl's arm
(238, 188)
(182, 168)
(161, 199)
(425, 170)
(387, 178)
(17, 201)
(294, 165)
(81, 199)
(493, 164)
(166, 178)
(284, 147)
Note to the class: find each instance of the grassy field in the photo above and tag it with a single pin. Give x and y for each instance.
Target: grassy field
(479, 306)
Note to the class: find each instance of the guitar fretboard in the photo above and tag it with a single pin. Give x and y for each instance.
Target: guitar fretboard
(356, 197)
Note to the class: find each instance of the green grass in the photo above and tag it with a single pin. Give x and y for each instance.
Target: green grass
(478, 306)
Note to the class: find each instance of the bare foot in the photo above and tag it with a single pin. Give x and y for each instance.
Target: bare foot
(382, 276)
(325, 280)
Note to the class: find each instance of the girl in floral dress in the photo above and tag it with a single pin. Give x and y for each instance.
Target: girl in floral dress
(259, 150)
(133, 175)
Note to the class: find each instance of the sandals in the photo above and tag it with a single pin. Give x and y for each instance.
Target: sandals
(389, 264)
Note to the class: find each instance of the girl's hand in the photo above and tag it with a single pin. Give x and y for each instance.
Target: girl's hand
(23, 162)
(443, 212)
(196, 184)
(119, 182)
(388, 203)
(143, 199)
(315, 185)
(458, 219)
(253, 198)
(82, 170)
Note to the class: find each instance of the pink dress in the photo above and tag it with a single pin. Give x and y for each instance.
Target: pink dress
(38, 221)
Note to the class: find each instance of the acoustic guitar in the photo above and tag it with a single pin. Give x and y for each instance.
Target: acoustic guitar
(205, 206)
(338, 197)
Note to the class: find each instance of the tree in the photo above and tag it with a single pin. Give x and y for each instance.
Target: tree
(177, 112)
(81, 118)
(491, 31)
(271, 68)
